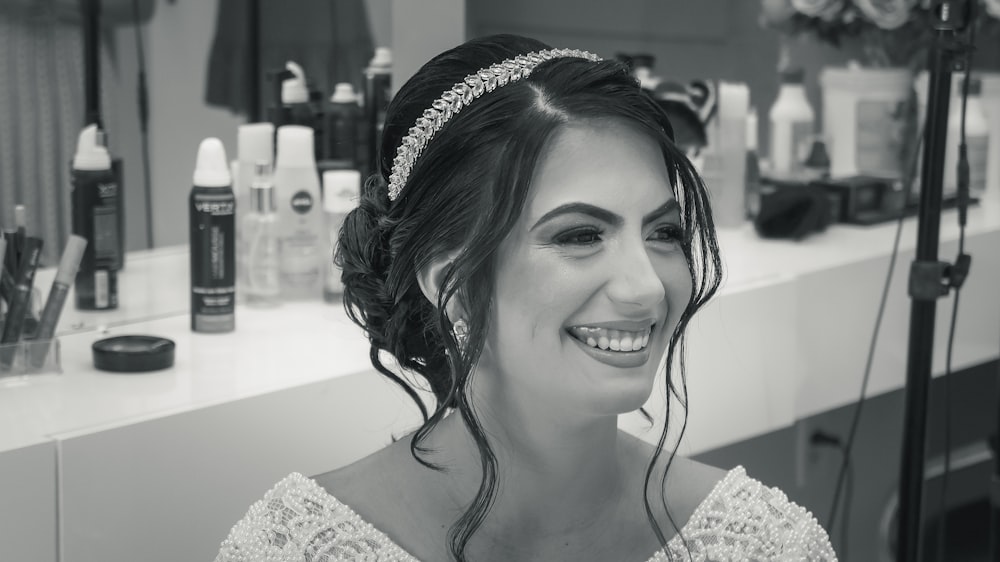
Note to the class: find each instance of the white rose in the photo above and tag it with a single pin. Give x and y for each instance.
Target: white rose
(993, 7)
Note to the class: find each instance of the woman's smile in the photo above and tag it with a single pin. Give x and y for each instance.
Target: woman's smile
(620, 337)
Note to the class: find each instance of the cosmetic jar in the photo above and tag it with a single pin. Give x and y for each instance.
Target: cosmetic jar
(133, 354)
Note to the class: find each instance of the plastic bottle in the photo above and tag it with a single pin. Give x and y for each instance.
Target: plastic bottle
(254, 144)
(296, 107)
(342, 189)
(259, 226)
(300, 220)
(95, 217)
(792, 120)
(977, 138)
(342, 119)
(212, 221)
(378, 92)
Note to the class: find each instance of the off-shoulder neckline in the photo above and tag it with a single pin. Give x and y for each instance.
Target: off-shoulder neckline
(735, 475)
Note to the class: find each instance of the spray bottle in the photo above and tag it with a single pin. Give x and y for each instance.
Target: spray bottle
(255, 144)
(95, 218)
(212, 212)
(300, 219)
(260, 235)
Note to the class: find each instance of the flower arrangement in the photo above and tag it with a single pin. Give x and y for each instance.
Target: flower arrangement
(889, 32)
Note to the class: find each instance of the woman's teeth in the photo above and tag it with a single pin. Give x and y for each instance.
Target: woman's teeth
(615, 340)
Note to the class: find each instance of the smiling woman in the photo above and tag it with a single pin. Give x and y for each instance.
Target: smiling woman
(533, 245)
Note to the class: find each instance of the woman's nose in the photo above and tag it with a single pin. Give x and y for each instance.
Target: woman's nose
(634, 280)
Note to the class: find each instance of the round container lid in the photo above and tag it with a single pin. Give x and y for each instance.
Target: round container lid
(133, 354)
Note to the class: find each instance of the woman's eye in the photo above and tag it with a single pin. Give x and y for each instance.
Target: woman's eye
(668, 233)
(586, 237)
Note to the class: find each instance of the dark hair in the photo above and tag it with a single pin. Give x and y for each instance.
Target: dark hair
(464, 194)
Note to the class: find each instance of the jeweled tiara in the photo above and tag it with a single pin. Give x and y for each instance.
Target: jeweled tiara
(460, 95)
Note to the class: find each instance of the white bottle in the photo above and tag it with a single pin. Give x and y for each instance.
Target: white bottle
(791, 119)
(260, 234)
(301, 242)
(341, 189)
(977, 139)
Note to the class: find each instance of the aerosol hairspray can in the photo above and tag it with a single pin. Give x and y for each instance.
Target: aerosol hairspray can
(95, 204)
(213, 242)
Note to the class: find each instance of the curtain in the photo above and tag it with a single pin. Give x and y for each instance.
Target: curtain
(331, 40)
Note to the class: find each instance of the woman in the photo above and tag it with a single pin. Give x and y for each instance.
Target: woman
(534, 246)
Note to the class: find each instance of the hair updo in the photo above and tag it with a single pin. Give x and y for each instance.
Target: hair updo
(464, 194)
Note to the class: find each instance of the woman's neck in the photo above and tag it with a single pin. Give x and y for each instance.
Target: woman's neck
(553, 479)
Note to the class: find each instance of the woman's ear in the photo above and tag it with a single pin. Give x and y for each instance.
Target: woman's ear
(431, 278)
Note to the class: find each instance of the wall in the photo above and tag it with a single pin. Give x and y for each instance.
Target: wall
(421, 30)
(177, 39)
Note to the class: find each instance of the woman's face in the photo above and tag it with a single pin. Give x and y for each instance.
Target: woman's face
(593, 278)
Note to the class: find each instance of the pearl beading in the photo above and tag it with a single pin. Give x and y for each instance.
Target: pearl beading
(741, 519)
(452, 101)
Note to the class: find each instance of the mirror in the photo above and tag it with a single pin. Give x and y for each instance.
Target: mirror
(193, 56)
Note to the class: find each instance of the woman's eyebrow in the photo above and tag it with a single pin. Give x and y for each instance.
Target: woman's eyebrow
(604, 214)
(580, 208)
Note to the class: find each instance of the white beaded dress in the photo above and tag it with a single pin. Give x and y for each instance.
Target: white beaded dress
(741, 519)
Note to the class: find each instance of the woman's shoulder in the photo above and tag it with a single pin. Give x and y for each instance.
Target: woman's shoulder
(767, 523)
(297, 516)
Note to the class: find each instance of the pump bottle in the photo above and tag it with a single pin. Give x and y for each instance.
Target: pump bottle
(95, 218)
(295, 107)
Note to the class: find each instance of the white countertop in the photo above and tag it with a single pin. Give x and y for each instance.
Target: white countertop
(296, 344)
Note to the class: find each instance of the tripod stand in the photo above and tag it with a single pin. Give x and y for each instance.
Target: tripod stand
(930, 278)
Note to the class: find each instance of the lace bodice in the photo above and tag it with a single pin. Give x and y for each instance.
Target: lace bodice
(741, 519)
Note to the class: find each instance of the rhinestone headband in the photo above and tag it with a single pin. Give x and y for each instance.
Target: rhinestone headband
(460, 95)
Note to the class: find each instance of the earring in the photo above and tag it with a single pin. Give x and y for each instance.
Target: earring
(461, 330)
